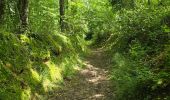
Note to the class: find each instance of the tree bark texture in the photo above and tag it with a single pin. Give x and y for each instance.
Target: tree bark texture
(2, 6)
(23, 13)
(62, 14)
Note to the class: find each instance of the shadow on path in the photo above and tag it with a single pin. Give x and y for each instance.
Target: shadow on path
(91, 82)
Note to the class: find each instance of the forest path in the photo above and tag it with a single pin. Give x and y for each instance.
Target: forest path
(91, 82)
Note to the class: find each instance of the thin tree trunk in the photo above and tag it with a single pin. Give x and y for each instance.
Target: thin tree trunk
(2, 5)
(62, 14)
(149, 2)
(23, 13)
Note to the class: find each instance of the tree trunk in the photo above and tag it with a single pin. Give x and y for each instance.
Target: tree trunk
(2, 5)
(23, 13)
(62, 15)
(149, 2)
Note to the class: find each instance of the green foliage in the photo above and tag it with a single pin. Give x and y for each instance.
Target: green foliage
(43, 16)
(14, 59)
(136, 32)
(34, 63)
(99, 17)
(140, 49)
(138, 39)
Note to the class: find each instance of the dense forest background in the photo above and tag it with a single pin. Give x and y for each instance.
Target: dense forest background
(43, 42)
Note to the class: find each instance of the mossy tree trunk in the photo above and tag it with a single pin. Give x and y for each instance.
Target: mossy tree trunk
(2, 6)
(23, 14)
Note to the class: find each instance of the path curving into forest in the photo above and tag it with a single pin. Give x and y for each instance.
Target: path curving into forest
(91, 82)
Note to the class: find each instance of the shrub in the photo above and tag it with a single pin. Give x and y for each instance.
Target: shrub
(141, 53)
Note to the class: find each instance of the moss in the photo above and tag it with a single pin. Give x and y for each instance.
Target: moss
(32, 65)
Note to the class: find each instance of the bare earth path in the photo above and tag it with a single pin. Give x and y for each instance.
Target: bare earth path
(91, 82)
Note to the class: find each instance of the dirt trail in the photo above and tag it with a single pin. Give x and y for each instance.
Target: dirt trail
(91, 82)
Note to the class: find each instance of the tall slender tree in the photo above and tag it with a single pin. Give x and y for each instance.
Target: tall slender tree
(2, 6)
(149, 2)
(23, 13)
(62, 14)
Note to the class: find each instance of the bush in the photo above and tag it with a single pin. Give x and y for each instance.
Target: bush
(140, 46)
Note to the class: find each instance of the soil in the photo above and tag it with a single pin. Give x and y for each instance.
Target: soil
(91, 82)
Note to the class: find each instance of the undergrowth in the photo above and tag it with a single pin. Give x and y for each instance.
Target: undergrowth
(140, 49)
(33, 64)
(139, 43)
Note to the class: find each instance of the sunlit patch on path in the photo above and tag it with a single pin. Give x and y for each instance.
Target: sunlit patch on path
(93, 74)
(90, 83)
